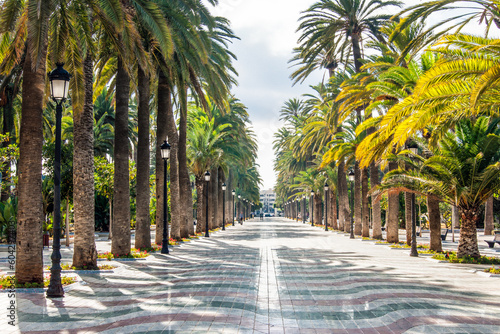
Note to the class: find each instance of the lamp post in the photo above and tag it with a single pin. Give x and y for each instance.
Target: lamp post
(413, 147)
(312, 207)
(351, 181)
(297, 213)
(234, 208)
(207, 180)
(224, 206)
(326, 206)
(59, 85)
(165, 154)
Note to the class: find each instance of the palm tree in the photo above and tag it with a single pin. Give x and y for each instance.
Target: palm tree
(464, 171)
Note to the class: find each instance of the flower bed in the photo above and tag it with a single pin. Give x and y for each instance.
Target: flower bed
(452, 258)
(7, 282)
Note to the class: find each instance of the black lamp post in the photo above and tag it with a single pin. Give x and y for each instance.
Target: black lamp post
(351, 181)
(413, 147)
(234, 207)
(207, 180)
(297, 206)
(224, 206)
(165, 155)
(59, 86)
(312, 207)
(326, 206)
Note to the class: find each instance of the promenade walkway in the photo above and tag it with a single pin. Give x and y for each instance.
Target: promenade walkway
(271, 276)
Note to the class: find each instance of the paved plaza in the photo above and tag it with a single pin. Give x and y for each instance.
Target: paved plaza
(271, 276)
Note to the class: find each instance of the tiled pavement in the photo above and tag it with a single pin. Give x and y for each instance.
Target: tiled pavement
(272, 276)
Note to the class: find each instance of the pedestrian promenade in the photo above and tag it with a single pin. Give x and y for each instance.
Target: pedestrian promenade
(270, 276)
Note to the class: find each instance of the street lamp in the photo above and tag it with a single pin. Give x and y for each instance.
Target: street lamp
(59, 86)
(234, 208)
(297, 214)
(239, 210)
(224, 206)
(207, 180)
(326, 206)
(413, 147)
(351, 181)
(165, 155)
(312, 207)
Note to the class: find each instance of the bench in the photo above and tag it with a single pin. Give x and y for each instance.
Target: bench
(496, 239)
(444, 233)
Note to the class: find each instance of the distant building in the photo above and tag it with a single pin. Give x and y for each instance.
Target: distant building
(267, 198)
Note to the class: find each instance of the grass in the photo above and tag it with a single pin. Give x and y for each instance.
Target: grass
(8, 282)
(452, 258)
(133, 255)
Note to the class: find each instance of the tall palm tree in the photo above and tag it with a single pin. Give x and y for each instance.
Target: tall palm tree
(464, 170)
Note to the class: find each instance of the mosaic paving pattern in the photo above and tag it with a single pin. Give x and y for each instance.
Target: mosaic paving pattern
(275, 276)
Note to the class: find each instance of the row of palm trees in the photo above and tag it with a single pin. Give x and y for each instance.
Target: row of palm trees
(394, 83)
(165, 54)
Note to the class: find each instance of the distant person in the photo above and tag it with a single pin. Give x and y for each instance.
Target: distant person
(241, 219)
(262, 216)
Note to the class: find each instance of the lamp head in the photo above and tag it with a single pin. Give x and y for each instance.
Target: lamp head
(351, 175)
(165, 150)
(59, 83)
(224, 186)
(207, 176)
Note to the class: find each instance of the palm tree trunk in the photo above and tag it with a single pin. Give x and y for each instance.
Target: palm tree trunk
(120, 243)
(392, 221)
(29, 260)
(318, 213)
(184, 189)
(344, 213)
(200, 204)
(467, 245)
(488, 217)
(213, 199)
(434, 224)
(408, 217)
(357, 200)
(190, 226)
(333, 210)
(66, 223)
(376, 209)
(220, 197)
(365, 232)
(142, 226)
(164, 123)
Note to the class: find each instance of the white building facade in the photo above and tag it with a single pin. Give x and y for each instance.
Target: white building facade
(268, 198)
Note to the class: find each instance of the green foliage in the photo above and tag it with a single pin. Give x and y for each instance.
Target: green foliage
(8, 282)
(452, 258)
(9, 153)
(8, 219)
(493, 270)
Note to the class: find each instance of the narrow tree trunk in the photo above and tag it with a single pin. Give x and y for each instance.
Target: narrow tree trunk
(66, 222)
(120, 243)
(357, 200)
(318, 213)
(488, 217)
(29, 260)
(175, 183)
(392, 221)
(333, 210)
(200, 204)
(408, 217)
(365, 232)
(376, 209)
(184, 189)
(220, 207)
(142, 226)
(344, 210)
(467, 246)
(434, 224)
(190, 226)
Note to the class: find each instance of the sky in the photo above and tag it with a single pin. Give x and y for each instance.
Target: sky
(267, 32)
(267, 29)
